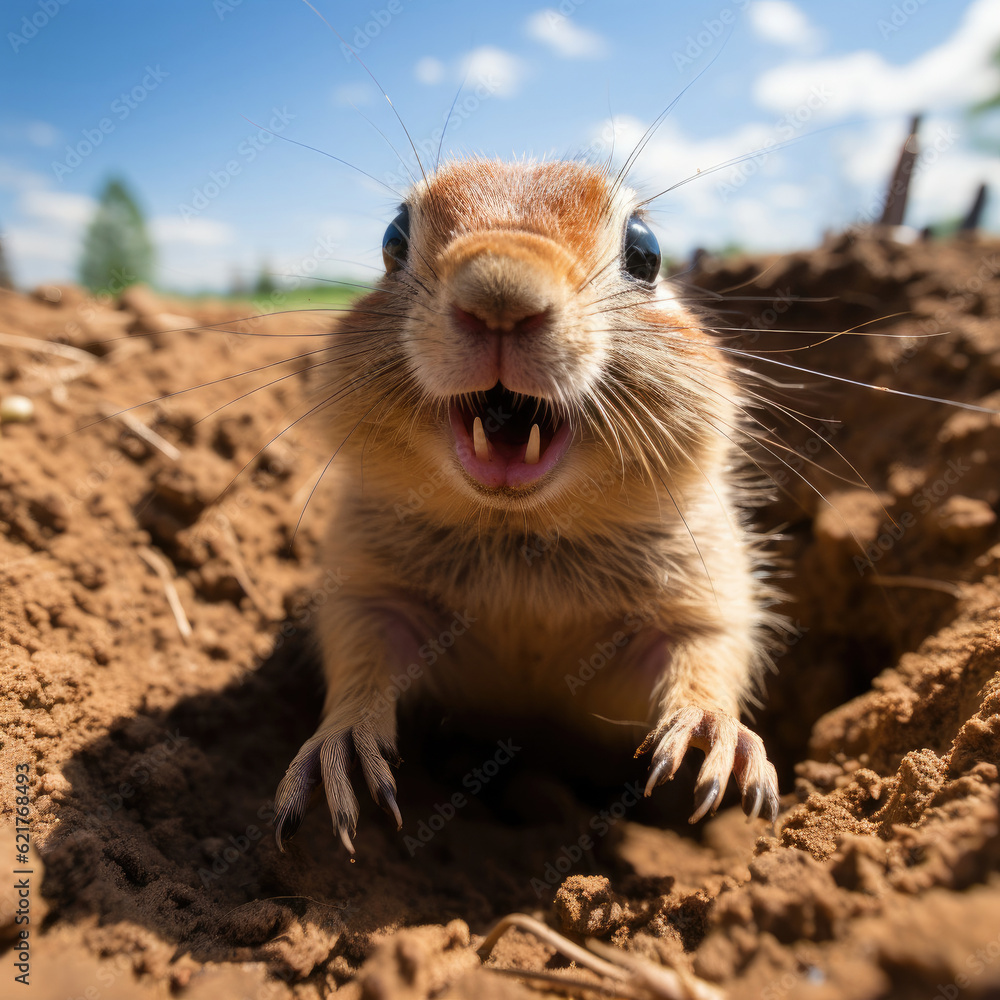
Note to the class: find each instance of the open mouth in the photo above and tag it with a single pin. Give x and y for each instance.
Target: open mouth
(506, 439)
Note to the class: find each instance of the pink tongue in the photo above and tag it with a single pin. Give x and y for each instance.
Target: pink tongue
(504, 465)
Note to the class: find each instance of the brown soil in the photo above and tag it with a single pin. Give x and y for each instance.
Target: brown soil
(152, 757)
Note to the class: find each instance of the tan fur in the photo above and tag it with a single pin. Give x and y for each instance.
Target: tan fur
(639, 530)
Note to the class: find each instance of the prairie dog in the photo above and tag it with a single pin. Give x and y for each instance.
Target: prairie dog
(525, 372)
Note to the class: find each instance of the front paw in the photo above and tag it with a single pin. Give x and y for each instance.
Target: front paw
(329, 755)
(729, 746)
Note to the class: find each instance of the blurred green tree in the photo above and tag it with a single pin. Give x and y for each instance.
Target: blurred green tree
(6, 281)
(117, 251)
(265, 284)
(985, 115)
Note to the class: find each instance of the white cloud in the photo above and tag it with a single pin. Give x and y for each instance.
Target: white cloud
(33, 133)
(868, 153)
(15, 178)
(59, 207)
(27, 245)
(676, 156)
(196, 231)
(771, 201)
(354, 94)
(957, 72)
(787, 195)
(41, 134)
(782, 23)
(734, 203)
(429, 70)
(565, 38)
(945, 178)
(194, 268)
(497, 72)
(944, 189)
(44, 236)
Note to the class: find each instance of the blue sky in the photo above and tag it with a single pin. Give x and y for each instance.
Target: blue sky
(170, 95)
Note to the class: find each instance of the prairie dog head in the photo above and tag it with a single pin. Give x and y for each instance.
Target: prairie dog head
(522, 349)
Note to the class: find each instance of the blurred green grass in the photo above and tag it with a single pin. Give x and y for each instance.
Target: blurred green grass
(324, 295)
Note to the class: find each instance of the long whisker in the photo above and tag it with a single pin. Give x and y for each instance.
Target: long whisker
(866, 385)
(192, 388)
(451, 111)
(344, 42)
(323, 152)
(336, 452)
(734, 161)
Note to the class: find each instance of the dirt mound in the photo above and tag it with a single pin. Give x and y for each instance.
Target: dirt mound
(158, 590)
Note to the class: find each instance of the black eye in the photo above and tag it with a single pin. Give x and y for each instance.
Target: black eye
(641, 257)
(396, 241)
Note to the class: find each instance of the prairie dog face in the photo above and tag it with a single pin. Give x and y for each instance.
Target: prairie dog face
(531, 342)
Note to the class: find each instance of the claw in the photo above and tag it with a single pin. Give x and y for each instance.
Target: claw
(706, 800)
(770, 811)
(328, 757)
(285, 828)
(387, 800)
(662, 770)
(730, 748)
(667, 757)
(292, 797)
(345, 839)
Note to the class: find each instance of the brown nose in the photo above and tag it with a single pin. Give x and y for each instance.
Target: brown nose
(472, 323)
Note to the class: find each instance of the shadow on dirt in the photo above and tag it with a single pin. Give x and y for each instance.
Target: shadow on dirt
(168, 822)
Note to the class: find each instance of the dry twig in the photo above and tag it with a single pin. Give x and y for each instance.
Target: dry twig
(56, 379)
(158, 565)
(140, 430)
(631, 975)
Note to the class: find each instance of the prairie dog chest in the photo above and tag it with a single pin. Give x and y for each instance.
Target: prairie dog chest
(501, 615)
(521, 582)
